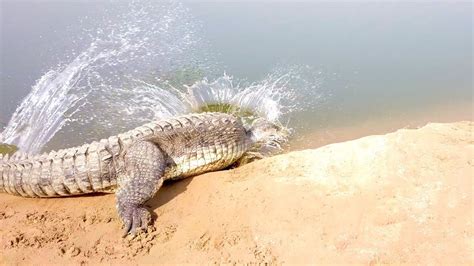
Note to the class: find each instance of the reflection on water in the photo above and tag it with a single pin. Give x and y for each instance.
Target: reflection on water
(316, 66)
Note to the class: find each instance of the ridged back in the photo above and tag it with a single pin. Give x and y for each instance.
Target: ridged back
(90, 168)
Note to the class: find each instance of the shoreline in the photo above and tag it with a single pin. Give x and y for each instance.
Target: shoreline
(438, 113)
(446, 113)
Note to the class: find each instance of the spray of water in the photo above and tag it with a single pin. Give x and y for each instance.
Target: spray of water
(144, 37)
(262, 99)
(135, 70)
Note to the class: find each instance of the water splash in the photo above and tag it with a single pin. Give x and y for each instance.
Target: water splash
(42, 112)
(263, 99)
(135, 70)
(272, 98)
(145, 37)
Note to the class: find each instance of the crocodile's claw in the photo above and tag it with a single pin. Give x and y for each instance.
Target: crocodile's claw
(135, 219)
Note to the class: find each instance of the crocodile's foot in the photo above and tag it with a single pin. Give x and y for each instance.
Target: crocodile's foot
(141, 178)
(135, 219)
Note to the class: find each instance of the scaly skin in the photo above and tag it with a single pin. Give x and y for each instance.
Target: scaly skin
(133, 164)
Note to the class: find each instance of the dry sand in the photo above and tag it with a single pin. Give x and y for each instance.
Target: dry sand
(404, 197)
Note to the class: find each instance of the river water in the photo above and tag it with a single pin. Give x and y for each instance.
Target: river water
(76, 71)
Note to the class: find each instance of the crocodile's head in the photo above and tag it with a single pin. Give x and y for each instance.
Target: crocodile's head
(268, 136)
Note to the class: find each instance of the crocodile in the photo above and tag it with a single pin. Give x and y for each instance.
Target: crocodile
(134, 164)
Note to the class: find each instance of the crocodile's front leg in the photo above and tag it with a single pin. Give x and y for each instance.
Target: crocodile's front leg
(142, 176)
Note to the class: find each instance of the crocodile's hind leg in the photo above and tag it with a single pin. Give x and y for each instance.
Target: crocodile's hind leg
(142, 176)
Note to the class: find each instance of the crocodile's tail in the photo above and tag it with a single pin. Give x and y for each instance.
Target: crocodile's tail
(73, 171)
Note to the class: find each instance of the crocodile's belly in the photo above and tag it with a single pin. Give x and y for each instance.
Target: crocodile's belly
(205, 159)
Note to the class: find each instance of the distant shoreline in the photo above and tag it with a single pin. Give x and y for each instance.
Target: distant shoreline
(441, 113)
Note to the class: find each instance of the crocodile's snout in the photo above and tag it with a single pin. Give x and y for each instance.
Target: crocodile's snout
(268, 134)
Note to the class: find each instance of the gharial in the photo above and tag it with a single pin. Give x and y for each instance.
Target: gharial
(134, 164)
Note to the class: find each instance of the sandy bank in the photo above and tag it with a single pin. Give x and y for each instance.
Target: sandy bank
(404, 197)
